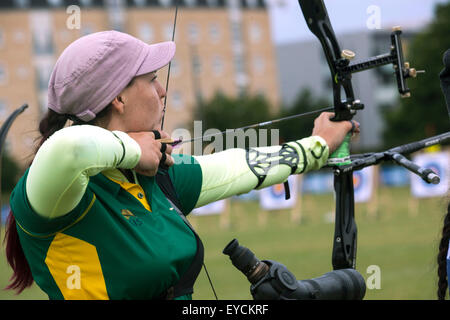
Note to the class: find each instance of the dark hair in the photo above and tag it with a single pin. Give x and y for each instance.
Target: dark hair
(442, 257)
(22, 277)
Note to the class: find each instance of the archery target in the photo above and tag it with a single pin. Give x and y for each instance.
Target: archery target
(273, 197)
(363, 184)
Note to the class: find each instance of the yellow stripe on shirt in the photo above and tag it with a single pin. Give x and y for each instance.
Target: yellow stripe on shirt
(76, 268)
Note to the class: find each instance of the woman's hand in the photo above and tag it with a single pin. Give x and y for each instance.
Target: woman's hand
(151, 152)
(331, 131)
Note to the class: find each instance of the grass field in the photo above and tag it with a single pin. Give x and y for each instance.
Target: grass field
(401, 239)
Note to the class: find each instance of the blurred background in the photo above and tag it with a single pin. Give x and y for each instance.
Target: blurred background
(240, 62)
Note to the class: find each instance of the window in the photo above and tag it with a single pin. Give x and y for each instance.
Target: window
(217, 65)
(42, 43)
(196, 64)
(22, 3)
(145, 32)
(3, 74)
(258, 65)
(175, 68)
(43, 73)
(177, 100)
(252, 3)
(255, 32)
(214, 32)
(140, 3)
(212, 3)
(3, 110)
(236, 32)
(168, 31)
(193, 32)
(2, 38)
(239, 64)
(54, 3)
(165, 3)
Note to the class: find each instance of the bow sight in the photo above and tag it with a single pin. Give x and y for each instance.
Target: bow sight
(318, 22)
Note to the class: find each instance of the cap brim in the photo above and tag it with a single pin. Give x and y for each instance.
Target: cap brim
(158, 56)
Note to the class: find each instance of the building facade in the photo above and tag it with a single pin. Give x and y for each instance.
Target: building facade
(221, 46)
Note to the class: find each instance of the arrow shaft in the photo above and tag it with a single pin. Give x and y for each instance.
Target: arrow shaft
(256, 125)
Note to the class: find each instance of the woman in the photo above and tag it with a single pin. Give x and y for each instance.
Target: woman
(443, 258)
(93, 220)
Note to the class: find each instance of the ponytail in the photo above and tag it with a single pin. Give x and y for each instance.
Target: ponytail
(22, 277)
(442, 257)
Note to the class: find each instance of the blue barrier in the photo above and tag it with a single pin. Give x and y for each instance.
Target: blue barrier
(394, 176)
(4, 213)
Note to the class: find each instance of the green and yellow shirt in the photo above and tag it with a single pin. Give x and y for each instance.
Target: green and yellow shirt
(122, 241)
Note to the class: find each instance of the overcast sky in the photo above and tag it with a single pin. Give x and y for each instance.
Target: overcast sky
(288, 24)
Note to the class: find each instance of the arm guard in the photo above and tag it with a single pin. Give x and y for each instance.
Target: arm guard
(260, 163)
(237, 171)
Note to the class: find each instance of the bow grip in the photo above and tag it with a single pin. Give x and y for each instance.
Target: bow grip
(341, 156)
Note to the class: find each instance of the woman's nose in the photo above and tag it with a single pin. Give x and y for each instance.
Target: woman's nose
(161, 91)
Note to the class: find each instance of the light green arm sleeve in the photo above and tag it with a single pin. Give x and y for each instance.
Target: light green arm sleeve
(60, 171)
(227, 173)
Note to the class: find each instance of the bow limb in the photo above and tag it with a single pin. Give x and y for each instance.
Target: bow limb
(3, 133)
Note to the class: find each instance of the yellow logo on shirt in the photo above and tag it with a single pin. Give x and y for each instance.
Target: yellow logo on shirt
(127, 214)
(131, 217)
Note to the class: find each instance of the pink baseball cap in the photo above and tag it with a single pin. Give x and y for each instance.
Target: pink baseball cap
(94, 69)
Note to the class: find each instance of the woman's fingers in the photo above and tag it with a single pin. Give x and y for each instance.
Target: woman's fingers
(153, 152)
(333, 132)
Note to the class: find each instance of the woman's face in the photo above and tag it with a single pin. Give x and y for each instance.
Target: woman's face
(142, 104)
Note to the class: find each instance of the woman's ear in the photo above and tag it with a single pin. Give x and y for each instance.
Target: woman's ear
(118, 104)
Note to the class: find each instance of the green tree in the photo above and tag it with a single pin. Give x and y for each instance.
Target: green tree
(300, 127)
(224, 112)
(424, 114)
(9, 172)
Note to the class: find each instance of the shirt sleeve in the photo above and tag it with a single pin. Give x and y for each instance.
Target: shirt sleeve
(37, 225)
(67, 159)
(227, 173)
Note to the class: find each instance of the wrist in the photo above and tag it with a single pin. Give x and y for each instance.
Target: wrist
(131, 151)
